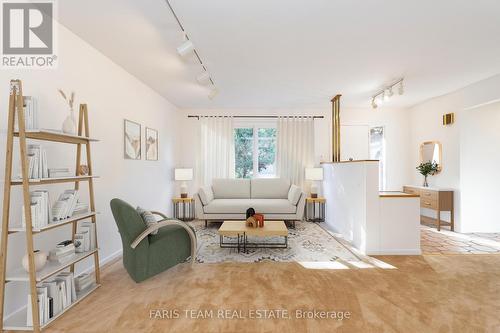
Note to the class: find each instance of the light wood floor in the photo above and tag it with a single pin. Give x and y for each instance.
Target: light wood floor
(434, 293)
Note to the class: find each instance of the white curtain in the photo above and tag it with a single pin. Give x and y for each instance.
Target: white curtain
(216, 149)
(295, 148)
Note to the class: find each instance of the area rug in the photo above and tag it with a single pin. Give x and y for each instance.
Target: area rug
(308, 242)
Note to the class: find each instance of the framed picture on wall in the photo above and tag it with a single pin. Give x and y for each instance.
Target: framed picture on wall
(151, 144)
(132, 140)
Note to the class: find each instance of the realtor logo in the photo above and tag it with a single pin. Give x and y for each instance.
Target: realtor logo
(28, 34)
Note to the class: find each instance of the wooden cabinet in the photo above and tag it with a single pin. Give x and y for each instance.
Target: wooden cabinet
(435, 199)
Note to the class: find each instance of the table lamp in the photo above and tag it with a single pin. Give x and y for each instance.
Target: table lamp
(314, 174)
(184, 175)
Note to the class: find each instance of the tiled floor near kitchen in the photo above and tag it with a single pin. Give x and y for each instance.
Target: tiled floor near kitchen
(447, 242)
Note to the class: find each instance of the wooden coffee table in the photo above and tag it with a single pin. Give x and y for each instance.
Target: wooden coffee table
(239, 230)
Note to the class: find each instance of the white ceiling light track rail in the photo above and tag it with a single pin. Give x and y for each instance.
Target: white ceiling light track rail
(387, 92)
(186, 48)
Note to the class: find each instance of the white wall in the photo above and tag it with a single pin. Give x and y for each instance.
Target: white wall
(395, 122)
(112, 94)
(426, 125)
(479, 167)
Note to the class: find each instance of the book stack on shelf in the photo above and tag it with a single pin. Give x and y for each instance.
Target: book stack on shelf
(30, 108)
(84, 281)
(81, 208)
(53, 296)
(37, 162)
(59, 172)
(63, 253)
(41, 214)
(85, 237)
(65, 206)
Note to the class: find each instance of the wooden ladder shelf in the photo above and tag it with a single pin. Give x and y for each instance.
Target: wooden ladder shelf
(17, 321)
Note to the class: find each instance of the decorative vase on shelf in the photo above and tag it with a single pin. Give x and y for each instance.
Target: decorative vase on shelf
(426, 184)
(40, 260)
(69, 124)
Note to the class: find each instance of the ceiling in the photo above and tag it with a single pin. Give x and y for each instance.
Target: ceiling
(295, 53)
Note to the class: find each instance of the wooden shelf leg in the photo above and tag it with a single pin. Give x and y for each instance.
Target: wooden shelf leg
(84, 115)
(6, 203)
(27, 211)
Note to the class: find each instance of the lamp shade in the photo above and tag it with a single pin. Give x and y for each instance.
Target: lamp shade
(314, 173)
(183, 174)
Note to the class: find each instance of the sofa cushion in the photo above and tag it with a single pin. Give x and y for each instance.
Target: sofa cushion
(294, 194)
(239, 206)
(270, 188)
(231, 188)
(206, 194)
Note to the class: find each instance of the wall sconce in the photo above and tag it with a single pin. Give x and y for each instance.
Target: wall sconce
(448, 119)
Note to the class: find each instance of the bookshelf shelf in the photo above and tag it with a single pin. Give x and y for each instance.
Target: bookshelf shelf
(58, 180)
(17, 322)
(53, 225)
(54, 136)
(48, 270)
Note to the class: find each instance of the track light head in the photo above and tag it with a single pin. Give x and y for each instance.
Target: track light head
(185, 48)
(401, 89)
(203, 78)
(213, 92)
(389, 93)
(374, 104)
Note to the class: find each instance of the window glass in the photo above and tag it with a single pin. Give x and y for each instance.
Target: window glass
(243, 145)
(267, 151)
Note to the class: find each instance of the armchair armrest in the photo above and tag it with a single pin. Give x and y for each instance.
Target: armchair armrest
(163, 223)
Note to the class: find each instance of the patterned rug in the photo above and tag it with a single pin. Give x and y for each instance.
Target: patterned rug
(308, 242)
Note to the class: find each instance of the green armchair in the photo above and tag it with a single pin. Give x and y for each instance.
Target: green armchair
(144, 254)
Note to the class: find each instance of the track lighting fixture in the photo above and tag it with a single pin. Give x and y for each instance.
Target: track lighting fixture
(213, 92)
(385, 94)
(203, 78)
(185, 48)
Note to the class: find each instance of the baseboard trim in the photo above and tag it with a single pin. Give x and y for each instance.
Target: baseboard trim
(102, 264)
(397, 252)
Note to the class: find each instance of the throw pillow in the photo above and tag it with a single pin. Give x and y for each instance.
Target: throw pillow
(206, 195)
(148, 218)
(294, 194)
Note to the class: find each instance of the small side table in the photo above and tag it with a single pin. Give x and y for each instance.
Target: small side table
(315, 209)
(183, 208)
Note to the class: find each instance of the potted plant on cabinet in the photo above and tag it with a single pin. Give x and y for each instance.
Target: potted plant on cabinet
(426, 169)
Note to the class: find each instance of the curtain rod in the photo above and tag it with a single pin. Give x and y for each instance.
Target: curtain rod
(314, 117)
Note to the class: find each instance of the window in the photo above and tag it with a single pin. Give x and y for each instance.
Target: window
(377, 152)
(255, 151)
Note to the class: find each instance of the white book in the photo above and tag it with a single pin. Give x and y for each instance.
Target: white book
(79, 242)
(67, 285)
(91, 231)
(59, 209)
(29, 312)
(52, 292)
(45, 169)
(34, 149)
(69, 278)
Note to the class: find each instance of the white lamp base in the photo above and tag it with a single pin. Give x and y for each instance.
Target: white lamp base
(184, 190)
(314, 190)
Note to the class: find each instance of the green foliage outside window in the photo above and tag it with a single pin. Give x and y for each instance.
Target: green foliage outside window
(244, 152)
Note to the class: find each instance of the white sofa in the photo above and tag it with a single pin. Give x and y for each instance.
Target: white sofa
(228, 199)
